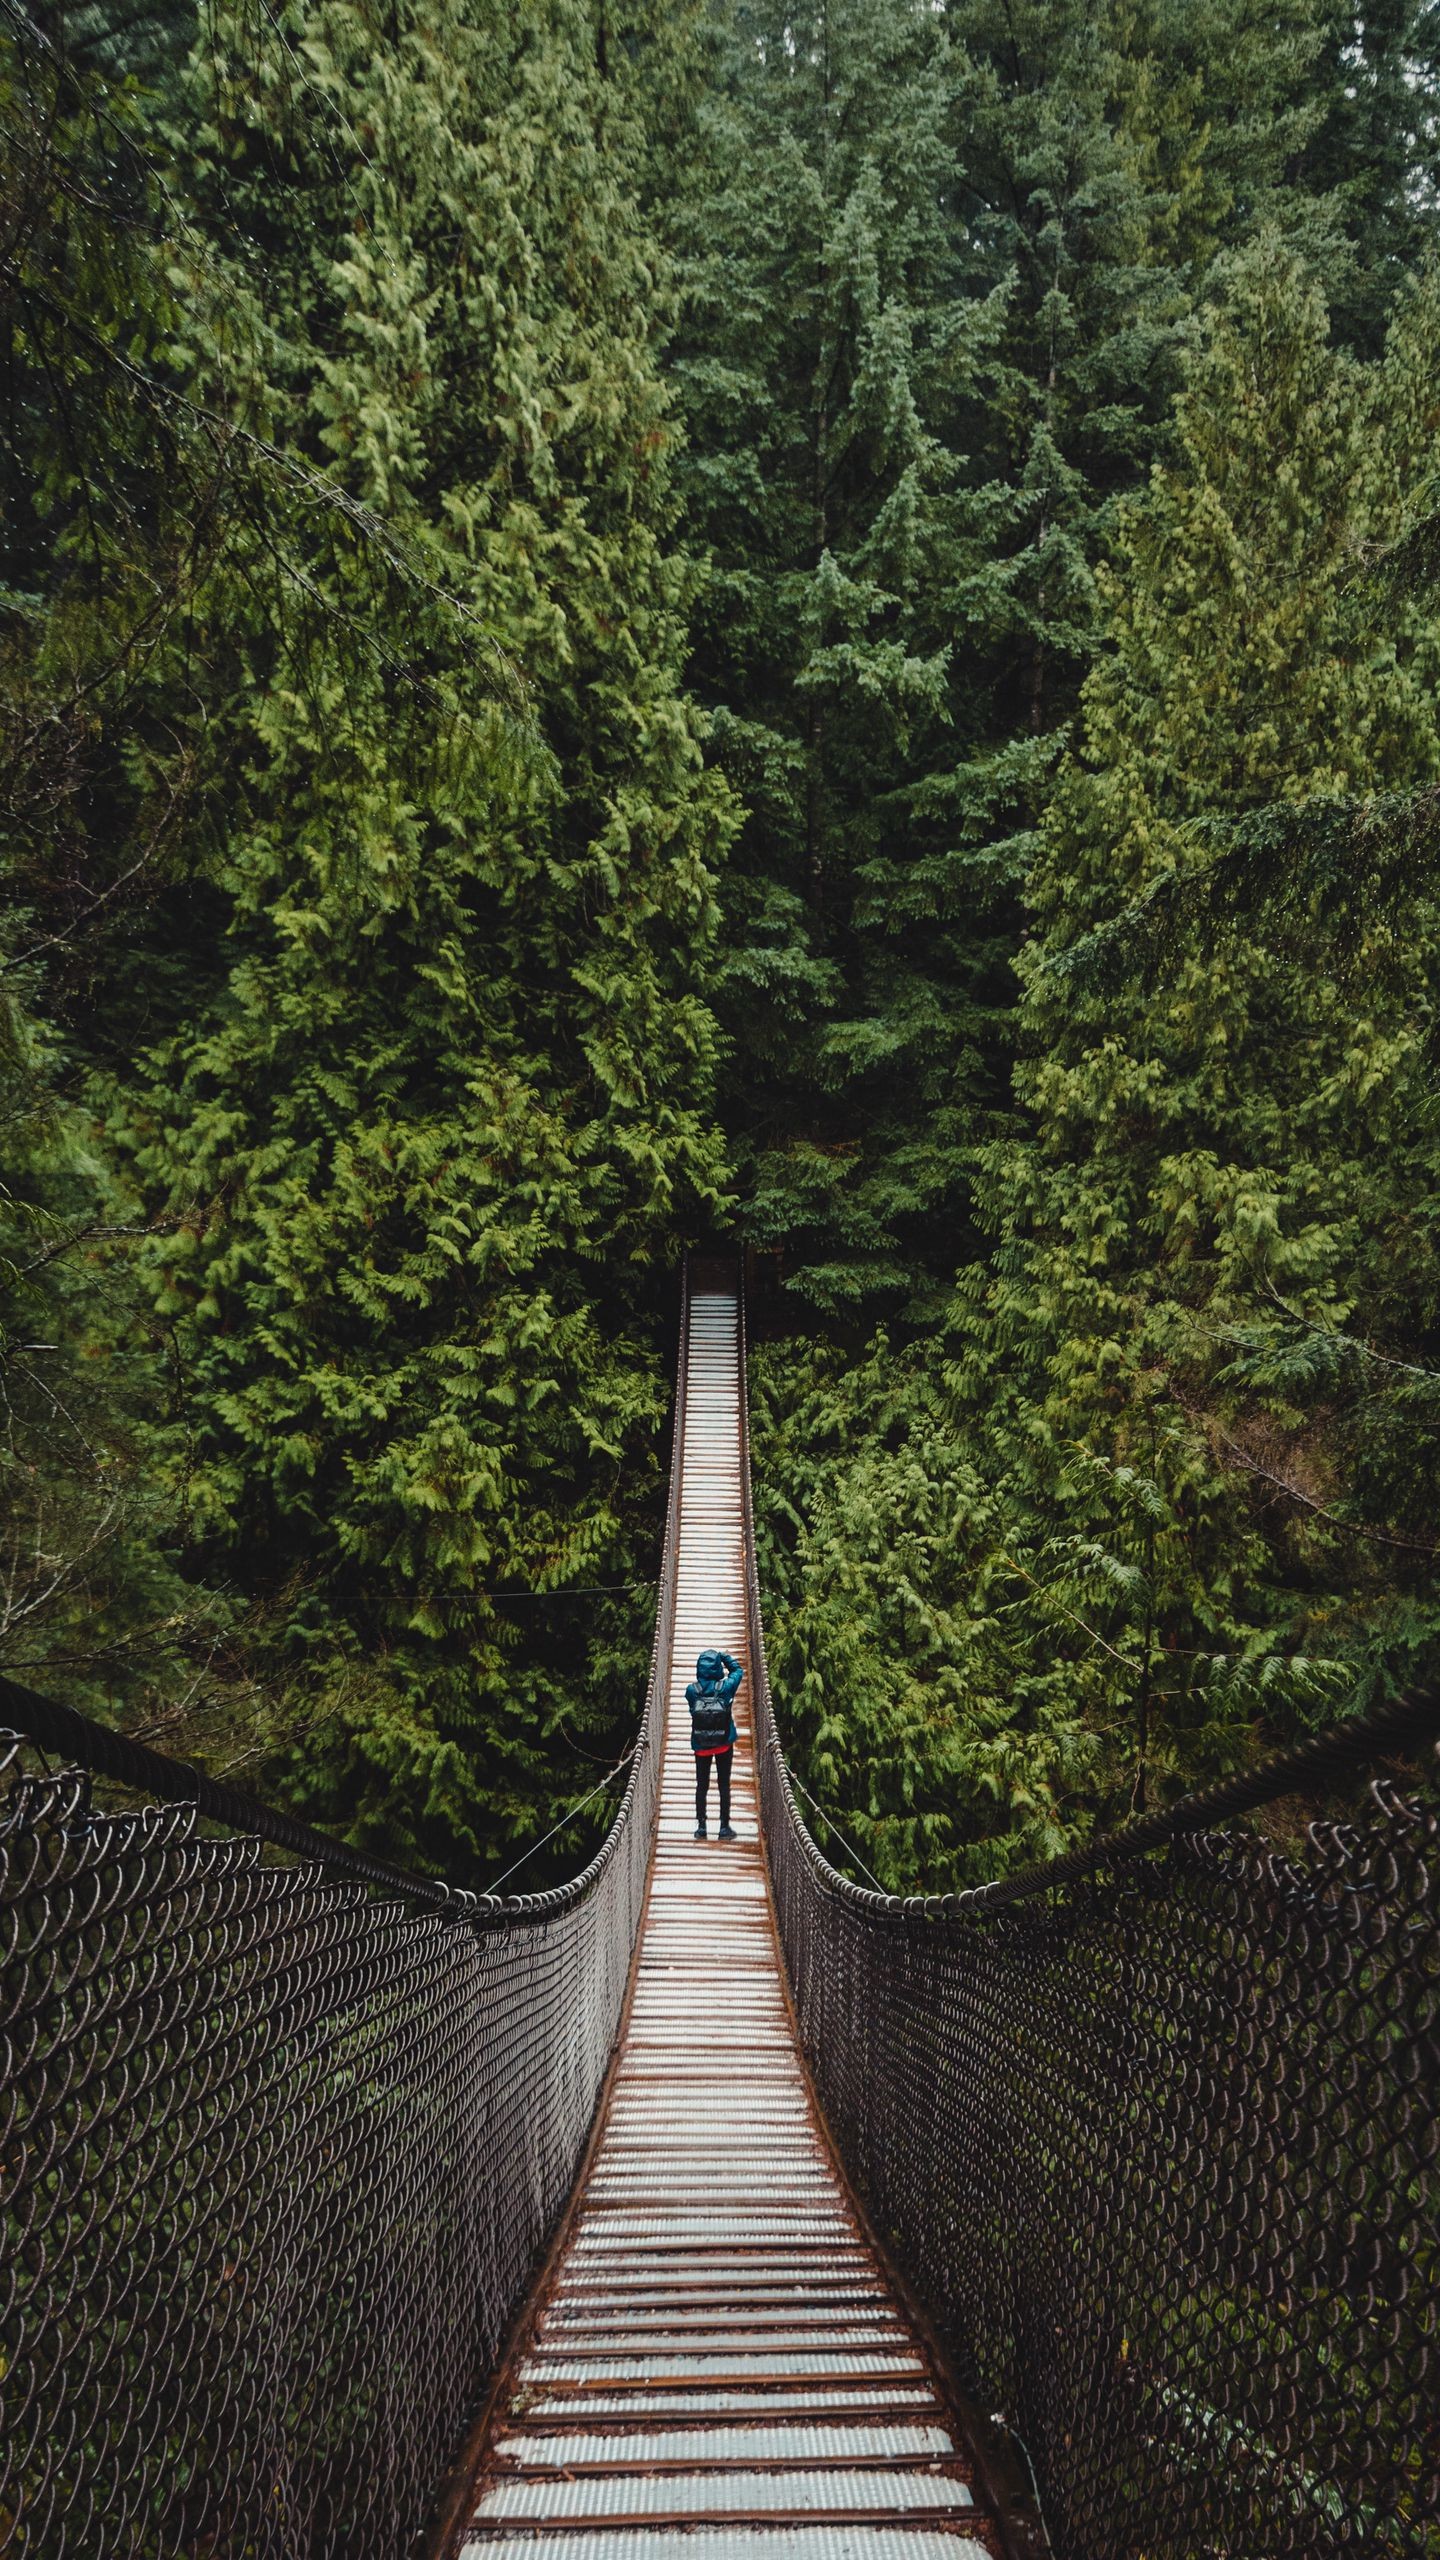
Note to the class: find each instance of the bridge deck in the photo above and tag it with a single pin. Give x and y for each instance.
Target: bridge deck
(720, 2368)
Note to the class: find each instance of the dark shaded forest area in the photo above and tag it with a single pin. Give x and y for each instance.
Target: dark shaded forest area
(631, 620)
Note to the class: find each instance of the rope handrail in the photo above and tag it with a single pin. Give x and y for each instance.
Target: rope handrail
(1346, 1749)
(100, 1751)
(1343, 1749)
(847, 1844)
(565, 1820)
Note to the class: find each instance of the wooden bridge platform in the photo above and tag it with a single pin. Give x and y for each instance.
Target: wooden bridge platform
(718, 2368)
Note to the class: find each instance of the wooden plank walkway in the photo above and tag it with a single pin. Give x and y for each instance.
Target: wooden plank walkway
(720, 2368)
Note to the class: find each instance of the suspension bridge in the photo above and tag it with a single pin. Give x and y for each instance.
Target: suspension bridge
(714, 2204)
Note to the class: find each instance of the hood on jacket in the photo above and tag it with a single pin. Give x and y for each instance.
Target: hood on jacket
(709, 1668)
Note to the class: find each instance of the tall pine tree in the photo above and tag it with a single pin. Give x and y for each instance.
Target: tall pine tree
(832, 340)
(430, 1114)
(114, 505)
(355, 1043)
(1159, 1504)
(939, 265)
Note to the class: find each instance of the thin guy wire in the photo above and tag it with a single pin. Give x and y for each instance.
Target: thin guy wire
(835, 1827)
(563, 1825)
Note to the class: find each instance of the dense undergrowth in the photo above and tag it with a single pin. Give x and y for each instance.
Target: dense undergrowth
(627, 621)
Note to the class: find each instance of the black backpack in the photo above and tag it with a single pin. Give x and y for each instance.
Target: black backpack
(709, 1719)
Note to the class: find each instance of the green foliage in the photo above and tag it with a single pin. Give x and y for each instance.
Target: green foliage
(87, 1596)
(1372, 149)
(446, 1102)
(939, 266)
(108, 507)
(1042, 891)
(830, 347)
(1176, 1459)
(407, 1060)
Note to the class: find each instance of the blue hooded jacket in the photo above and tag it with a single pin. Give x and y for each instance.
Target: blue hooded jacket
(712, 1726)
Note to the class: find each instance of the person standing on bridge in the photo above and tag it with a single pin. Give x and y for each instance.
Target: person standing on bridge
(710, 1698)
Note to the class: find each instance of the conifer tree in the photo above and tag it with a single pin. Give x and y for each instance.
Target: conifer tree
(111, 511)
(431, 1128)
(1130, 1530)
(1208, 1143)
(1372, 151)
(360, 968)
(939, 268)
(830, 343)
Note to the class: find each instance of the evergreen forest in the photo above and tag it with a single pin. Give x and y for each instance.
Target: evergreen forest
(631, 623)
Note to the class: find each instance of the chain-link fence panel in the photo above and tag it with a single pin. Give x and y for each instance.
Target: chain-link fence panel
(277, 2162)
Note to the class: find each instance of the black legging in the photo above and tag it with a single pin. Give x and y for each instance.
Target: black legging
(724, 1761)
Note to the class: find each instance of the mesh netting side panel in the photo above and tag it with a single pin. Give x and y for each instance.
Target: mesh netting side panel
(1158, 2148)
(1159, 2154)
(277, 2160)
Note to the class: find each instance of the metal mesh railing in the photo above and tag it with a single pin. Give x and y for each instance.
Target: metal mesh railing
(278, 2157)
(1153, 2135)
